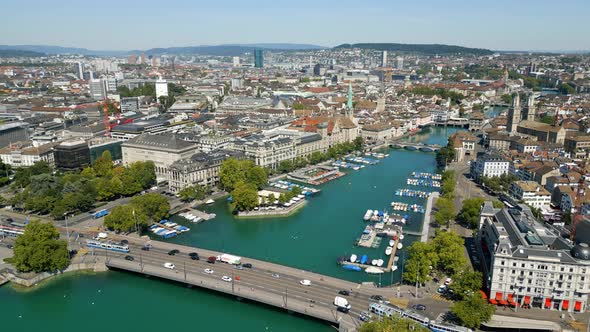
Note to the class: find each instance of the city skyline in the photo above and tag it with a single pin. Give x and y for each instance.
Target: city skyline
(110, 25)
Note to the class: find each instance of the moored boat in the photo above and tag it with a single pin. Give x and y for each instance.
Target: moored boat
(373, 270)
(380, 262)
(374, 262)
(388, 251)
(391, 243)
(400, 246)
(351, 267)
(353, 258)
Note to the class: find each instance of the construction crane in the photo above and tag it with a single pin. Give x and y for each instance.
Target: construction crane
(107, 122)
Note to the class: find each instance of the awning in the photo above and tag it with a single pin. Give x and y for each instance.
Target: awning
(503, 302)
(527, 299)
(499, 296)
(483, 294)
(578, 306)
(547, 303)
(565, 304)
(492, 301)
(511, 299)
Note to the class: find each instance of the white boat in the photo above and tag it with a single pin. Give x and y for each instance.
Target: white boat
(209, 201)
(401, 236)
(400, 246)
(380, 262)
(368, 215)
(374, 262)
(391, 243)
(373, 270)
(388, 251)
(353, 258)
(394, 268)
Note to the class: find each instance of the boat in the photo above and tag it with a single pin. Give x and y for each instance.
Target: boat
(391, 243)
(380, 262)
(401, 237)
(368, 215)
(351, 267)
(394, 268)
(209, 201)
(400, 246)
(364, 259)
(373, 270)
(353, 258)
(388, 250)
(374, 262)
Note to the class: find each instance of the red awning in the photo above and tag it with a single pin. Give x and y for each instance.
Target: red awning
(527, 299)
(578, 306)
(565, 304)
(483, 294)
(511, 299)
(499, 296)
(503, 302)
(492, 301)
(547, 303)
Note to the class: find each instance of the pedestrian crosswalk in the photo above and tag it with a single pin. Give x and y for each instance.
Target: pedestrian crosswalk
(439, 297)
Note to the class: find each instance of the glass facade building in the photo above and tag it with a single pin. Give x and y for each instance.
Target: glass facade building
(258, 58)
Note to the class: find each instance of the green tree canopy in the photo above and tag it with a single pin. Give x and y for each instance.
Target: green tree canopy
(153, 205)
(420, 258)
(473, 310)
(449, 247)
(245, 196)
(122, 218)
(445, 211)
(233, 171)
(466, 283)
(191, 193)
(392, 324)
(469, 213)
(103, 165)
(39, 249)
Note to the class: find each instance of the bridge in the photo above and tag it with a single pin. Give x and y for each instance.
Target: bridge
(416, 146)
(267, 283)
(453, 122)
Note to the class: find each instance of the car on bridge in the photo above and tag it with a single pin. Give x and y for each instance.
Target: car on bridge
(344, 292)
(305, 282)
(173, 252)
(129, 258)
(276, 275)
(226, 278)
(211, 260)
(194, 256)
(169, 266)
(208, 271)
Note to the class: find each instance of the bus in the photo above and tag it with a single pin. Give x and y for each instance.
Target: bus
(101, 213)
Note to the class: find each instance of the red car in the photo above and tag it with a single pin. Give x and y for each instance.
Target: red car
(211, 260)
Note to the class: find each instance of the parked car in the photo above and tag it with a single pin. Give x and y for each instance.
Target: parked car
(145, 248)
(173, 252)
(194, 256)
(419, 307)
(364, 316)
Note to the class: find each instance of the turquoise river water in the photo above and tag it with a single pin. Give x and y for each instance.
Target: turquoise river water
(311, 239)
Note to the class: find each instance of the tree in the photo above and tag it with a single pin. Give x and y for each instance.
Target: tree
(497, 204)
(245, 196)
(566, 89)
(103, 165)
(39, 249)
(5, 171)
(257, 176)
(271, 199)
(420, 258)
(445, 211)
(466, 283)
(298, 106)
(469, 213)
(153, 205)
(121, 218)
(392, 324)
(449, 247)
(473, 310)
(286, 166)
(506, 98)
(191, 193)
(230, 174)
(358, 143)
(445, 155)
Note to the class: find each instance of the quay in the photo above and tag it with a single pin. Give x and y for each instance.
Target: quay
(278, 212)
(267, 283)
(427, 214)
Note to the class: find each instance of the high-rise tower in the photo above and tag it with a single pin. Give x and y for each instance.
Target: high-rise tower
(258, 58)
(349, 102)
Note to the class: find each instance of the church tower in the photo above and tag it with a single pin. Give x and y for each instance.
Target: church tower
(349, 110)
(514, 115)
(531, 110)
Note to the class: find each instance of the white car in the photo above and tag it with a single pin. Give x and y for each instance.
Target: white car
(169, 266)
(305, 282)
(208, 271)
(226, 278)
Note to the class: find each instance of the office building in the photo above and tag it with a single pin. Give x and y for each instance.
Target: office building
(72, 155)
(80, 70)
(237, 83)
(258, 58)
(531, 193)
(161, 88)
(129, 104)
(236, 61)
(98, 89)
(384, 59)
(527, 263)
(399, 62)
(489, 165)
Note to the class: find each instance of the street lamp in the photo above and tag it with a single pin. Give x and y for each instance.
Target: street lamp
(135, 219)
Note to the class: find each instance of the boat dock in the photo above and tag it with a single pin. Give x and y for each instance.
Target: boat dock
(201, 214)
(392, 256)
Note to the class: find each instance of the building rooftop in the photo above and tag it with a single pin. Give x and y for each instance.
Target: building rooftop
(165, 141)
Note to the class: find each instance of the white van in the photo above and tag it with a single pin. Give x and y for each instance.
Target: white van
(342, 303)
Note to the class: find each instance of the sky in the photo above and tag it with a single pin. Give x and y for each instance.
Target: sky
(133, 24)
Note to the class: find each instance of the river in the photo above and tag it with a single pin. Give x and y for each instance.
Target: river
(311, 239)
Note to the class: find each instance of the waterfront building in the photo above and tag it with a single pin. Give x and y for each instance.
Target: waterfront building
(464, 144)
(24, 154)
(201, 168)
(490, 165)
(531, 193)
(265, 151)
(72, 155)
(258, 58)
(377, 132)
(163, 150)
(528, 263)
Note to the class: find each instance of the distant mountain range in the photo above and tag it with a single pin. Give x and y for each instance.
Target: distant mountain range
(220, 50)
(19, 53)
(239, 49)
(429, 49)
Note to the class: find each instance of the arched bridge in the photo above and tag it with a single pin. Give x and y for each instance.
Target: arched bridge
(416, 146)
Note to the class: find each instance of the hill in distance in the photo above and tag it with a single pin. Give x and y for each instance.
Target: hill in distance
(20, 53)
(427, 49)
